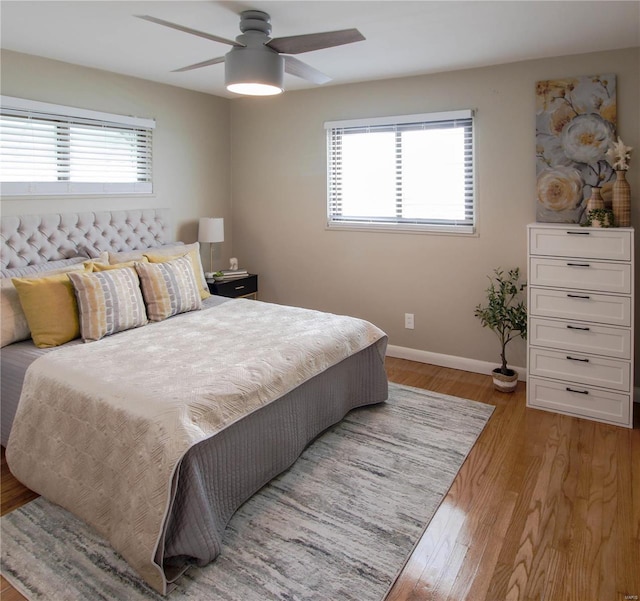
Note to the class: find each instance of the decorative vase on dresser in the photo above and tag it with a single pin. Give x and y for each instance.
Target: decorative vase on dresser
(621, 200)
(580, 331)
(595, 200)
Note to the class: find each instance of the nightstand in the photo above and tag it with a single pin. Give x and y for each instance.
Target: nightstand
(239, 288)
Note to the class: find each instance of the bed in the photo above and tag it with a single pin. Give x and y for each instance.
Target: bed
(155, 435)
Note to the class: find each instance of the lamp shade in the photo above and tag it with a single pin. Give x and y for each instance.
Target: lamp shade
(211, 229)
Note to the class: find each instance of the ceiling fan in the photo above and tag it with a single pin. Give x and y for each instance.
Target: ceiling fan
(256, 63)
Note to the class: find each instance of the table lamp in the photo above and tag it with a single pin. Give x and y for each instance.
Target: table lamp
(211, 230)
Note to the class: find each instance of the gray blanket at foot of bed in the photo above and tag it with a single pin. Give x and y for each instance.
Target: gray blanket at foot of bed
(219, 474)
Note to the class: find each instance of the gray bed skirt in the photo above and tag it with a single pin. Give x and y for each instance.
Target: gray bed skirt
(260, 446)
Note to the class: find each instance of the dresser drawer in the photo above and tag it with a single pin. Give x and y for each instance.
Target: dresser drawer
(581, 401)
(587, 370)
(592, 243)
(580, 305)
(580, 274)
(580, 337)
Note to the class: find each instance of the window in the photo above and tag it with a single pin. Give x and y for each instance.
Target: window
(410, 173)
(51, 149)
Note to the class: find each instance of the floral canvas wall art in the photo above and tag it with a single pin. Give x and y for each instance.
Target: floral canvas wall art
(575, 125)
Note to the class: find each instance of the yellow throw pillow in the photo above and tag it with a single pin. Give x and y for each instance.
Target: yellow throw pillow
(193, 252)
(136, 255)
(14, 322)
(49, 304)
(101, 259)
(107, 267)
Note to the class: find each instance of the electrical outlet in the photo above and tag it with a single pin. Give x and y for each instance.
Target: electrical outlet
(408, 321)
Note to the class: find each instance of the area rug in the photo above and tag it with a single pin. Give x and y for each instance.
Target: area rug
(339, 524)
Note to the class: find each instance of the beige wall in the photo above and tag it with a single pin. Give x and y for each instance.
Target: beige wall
(279, 196)
(275, 222)
(190, 145)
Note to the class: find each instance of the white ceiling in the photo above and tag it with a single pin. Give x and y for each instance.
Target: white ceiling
(402, 38)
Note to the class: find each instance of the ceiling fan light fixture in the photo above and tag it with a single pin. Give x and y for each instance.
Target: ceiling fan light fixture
(254, 71)
(254, 89)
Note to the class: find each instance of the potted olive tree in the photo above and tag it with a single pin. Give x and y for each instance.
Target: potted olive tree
(506, 315)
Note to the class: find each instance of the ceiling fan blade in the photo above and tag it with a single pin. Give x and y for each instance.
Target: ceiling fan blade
(211, 61)
(296, 67)
(297, 44)
(202, 34)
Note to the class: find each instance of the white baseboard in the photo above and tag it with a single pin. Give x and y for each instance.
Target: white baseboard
(462, 363)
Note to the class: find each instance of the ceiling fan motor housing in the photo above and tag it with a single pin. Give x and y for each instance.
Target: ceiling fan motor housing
(255, 20)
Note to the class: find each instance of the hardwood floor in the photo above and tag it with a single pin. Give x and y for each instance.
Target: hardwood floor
(545, 508)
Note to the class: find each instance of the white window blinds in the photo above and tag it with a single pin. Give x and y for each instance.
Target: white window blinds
(53, 149)
(413, 172)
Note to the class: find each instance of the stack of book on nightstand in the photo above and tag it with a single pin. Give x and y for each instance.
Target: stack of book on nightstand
(230, 275)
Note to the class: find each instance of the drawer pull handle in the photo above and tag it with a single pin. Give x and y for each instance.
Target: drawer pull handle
(578, 328)
(578, 233)
(578, 296)
(578, 265)
(239, 287)
(577, 359)
(578, 391)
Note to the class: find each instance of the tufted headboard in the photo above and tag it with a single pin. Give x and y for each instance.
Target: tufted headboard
(35, 239)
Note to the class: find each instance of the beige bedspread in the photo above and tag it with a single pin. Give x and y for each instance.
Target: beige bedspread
(121, 413)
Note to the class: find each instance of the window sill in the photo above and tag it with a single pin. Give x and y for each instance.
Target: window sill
(15, 197)
(448, 230)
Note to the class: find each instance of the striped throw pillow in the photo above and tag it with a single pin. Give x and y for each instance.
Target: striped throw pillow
(108, 302)
(190, 250)
(169, 288)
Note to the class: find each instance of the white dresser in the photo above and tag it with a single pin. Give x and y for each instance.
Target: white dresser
(580, 333)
